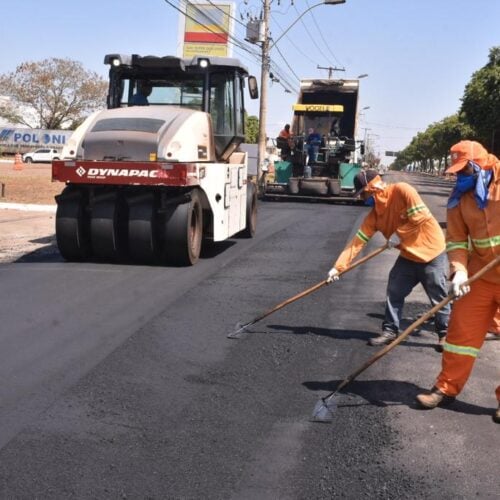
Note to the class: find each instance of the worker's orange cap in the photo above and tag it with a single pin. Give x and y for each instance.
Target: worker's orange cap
(465, 151)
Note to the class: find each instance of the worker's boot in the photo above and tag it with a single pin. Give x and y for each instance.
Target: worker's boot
(440, 343)
(496, 415)
(433, 399)
(492, 336)
(386, 337)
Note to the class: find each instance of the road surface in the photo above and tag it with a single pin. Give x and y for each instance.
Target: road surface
(119, 382)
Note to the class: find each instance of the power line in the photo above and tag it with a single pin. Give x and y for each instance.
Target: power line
(327, 45)
(286, 62)
(310, 36)
(282, 74)
(297, 48)
(224, 12)
(232, 38)
(235, 41)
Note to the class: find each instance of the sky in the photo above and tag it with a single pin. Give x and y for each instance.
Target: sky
(418, 54)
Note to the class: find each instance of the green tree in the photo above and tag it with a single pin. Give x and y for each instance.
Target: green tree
(51, 94)
(445, 133)
(251, 129)
(433, 145)
(481, 103)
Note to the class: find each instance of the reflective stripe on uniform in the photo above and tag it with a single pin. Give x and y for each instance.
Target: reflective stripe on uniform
(461, 349)
(486, 242)
(415, 209)
(455, 245)
(362, 236)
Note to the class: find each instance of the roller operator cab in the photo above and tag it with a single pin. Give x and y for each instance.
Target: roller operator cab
(322, 160)
(160, 171)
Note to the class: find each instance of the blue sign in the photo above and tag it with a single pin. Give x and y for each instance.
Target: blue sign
(34, 137)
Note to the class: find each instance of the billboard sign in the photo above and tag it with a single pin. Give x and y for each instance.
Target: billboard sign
(17, 137)
(205, 29)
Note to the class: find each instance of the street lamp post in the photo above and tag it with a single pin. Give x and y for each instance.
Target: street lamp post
(265, 64)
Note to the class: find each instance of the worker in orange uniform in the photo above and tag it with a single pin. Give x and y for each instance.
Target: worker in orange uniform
(398, 208)
(285, 142)
(473, 215)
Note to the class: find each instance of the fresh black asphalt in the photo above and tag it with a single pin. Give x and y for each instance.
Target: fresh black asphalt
(119, 381)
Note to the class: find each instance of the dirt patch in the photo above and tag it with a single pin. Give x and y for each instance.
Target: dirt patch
(32, 184)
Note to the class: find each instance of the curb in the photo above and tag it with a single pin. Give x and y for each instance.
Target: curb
(27, 207)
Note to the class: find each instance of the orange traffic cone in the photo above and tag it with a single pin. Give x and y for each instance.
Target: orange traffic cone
(18, 161)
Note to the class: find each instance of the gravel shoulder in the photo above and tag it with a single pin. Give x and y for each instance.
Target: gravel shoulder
(27, 210)
(25, 232)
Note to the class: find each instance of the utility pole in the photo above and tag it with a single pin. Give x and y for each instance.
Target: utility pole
(330, 70)
(365, 143)
(265, 64)
(265, 69)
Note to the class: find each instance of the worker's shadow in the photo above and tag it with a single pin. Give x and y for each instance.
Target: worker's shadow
(385, 393)
(323, 332)
(343, 334)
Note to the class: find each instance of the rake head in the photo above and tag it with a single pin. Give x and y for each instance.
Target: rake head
(323, 411)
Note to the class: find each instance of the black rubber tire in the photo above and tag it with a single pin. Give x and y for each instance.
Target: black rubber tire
(143, 231)
(313, 188)
(334, 187)
(73, 226)
(293, 186)
(183, 232)
(108, 228)
(28, 160)
(251, 212)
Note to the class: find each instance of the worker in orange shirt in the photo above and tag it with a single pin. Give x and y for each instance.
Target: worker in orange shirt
(473, 215)
(285, 142)
(398, 208)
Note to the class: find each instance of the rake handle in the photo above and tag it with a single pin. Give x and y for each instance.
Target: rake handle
(318, 285)
(412, 327)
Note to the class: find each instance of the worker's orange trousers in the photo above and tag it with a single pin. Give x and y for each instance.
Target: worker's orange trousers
(470, 319)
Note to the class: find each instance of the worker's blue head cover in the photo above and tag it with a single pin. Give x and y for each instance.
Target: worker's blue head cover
(478, 181)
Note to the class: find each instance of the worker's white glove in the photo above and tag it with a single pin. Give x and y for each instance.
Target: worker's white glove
(333, 275)
(456, 285)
